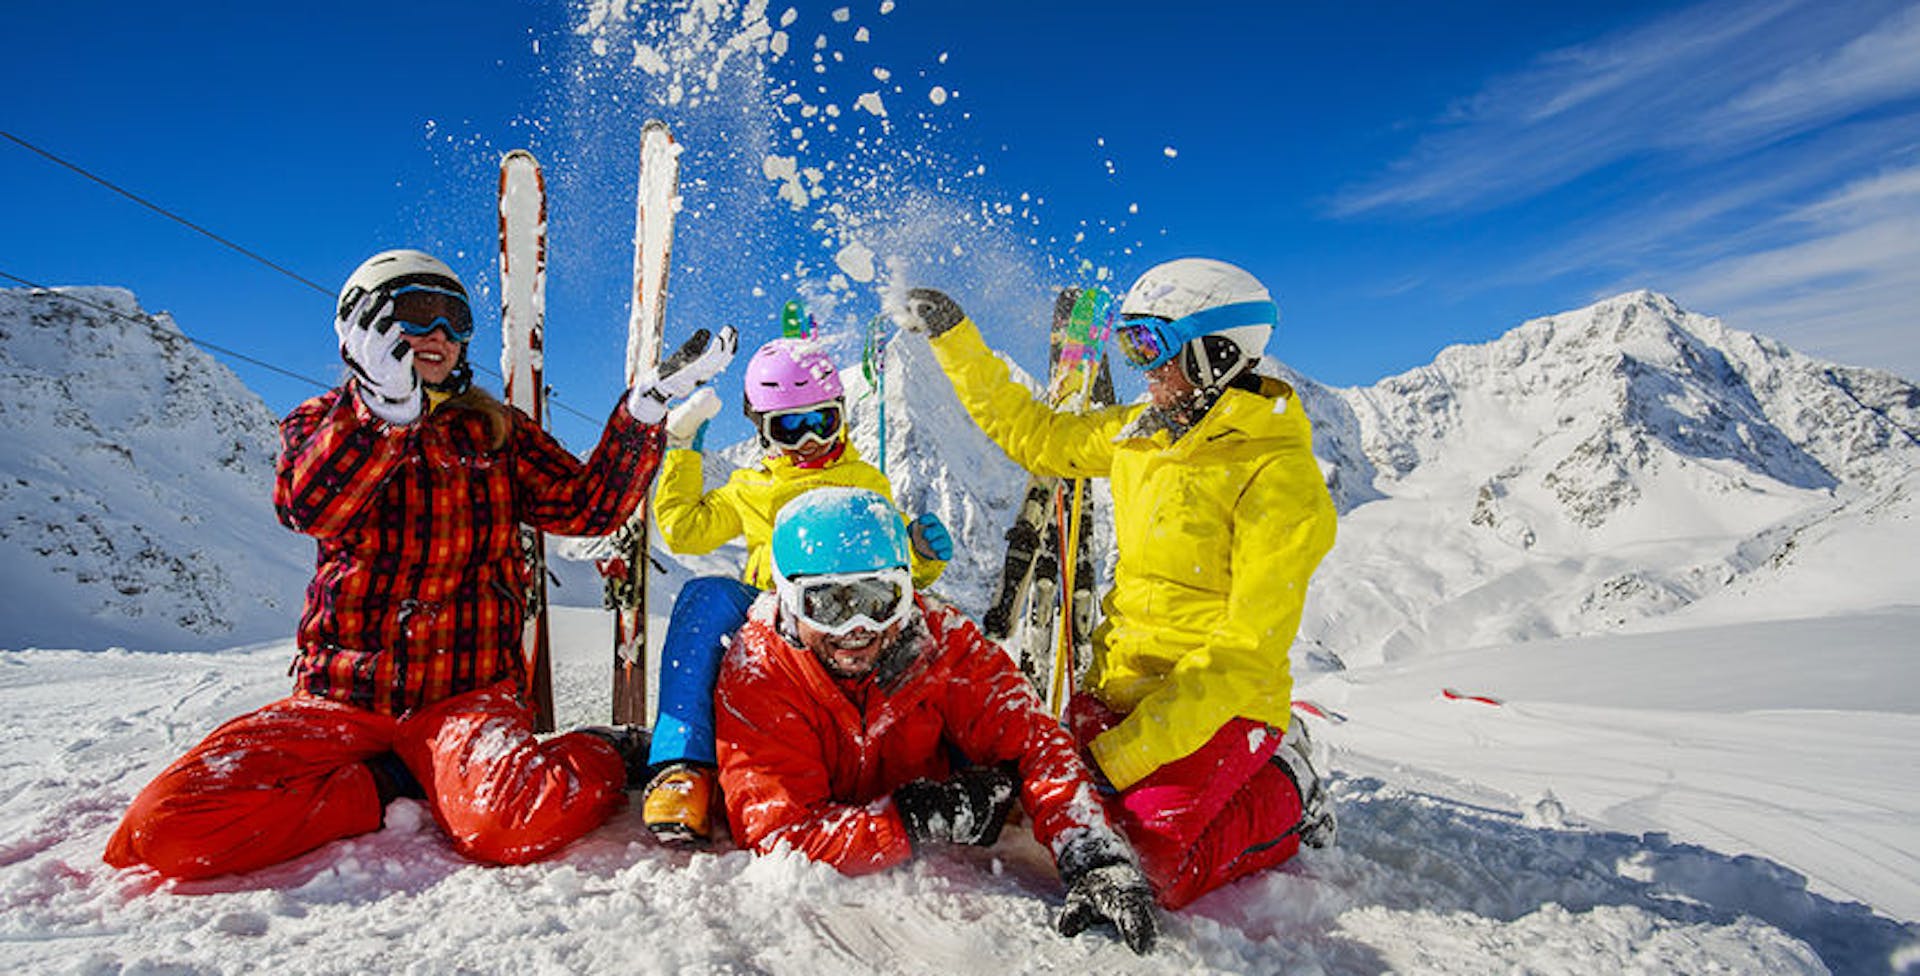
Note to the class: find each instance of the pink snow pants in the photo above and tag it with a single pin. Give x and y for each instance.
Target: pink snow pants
(273, 784)
(1218, 814)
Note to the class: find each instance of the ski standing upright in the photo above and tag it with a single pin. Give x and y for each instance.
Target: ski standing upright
(1046, 583)
(523, 289)
(652, 255)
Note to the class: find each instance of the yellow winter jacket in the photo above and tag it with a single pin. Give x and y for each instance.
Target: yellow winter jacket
(1217, 534)
(693, 520)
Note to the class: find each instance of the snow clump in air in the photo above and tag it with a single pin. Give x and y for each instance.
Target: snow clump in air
(856, 260)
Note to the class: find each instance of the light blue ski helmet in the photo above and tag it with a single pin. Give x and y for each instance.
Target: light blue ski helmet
(838, 530)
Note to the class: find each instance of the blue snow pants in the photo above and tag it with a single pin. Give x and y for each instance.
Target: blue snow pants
(709, 610)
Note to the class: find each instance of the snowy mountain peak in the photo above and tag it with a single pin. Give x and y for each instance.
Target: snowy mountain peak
(1588, 469)
(1593, 398)
(135, 494)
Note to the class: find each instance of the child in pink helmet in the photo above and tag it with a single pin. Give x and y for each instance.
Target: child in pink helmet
(797, 404)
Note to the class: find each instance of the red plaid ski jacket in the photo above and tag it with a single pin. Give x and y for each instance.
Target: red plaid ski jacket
(419, 587)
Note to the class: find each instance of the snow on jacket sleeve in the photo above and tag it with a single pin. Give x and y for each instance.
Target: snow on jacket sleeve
(554, 491)
(1038, 439)
(773, 769)
(993, 716)
(334, 456)
(1282, 524)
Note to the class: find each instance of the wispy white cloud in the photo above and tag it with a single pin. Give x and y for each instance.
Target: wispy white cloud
(1692, 87)
(1879, 65)
(1758, 159)
(1843, 280)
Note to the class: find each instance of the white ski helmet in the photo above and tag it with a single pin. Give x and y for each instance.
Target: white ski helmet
(391, 269)
(1215, 317)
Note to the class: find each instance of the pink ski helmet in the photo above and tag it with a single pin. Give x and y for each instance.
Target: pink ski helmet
(787, 374)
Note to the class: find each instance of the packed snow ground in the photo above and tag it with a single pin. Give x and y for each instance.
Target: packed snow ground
(1678, 836)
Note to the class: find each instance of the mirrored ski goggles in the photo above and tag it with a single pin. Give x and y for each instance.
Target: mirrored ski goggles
(840, 602)
(795, 428)
(409, 317)
(1150, 342)
(1144, 342)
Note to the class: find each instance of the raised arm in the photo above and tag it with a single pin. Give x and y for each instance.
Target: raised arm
(1038, 439)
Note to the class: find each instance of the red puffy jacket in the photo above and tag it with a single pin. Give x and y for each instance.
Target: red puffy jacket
(803, 766)
(419, 588)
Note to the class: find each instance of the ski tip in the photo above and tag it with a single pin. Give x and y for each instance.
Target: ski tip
(518, 155)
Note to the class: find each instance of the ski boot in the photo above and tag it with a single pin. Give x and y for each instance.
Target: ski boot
(679, 804)
(1295, 756)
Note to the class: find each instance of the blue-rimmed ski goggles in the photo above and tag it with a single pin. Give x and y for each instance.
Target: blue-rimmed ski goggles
(836, 603)
(789, 429)
(413, 322)
(1150, 342)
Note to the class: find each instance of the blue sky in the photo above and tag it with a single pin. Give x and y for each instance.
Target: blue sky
(1403, 176)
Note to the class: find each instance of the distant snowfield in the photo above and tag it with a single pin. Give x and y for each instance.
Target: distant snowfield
(1689, 793)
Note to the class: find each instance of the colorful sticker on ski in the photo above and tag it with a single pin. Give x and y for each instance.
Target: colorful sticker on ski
(795, 321)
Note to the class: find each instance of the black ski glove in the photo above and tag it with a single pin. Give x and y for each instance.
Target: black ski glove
(928, 311)
(1104, 886)
(969, 808)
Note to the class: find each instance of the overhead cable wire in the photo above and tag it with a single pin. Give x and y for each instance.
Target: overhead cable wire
(164, 212)
(553, 397)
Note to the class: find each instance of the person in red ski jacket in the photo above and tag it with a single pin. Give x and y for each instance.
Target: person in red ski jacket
(858, 721)
(409, 677)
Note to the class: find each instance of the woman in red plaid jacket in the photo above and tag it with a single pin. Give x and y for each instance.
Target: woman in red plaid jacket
(409, 677)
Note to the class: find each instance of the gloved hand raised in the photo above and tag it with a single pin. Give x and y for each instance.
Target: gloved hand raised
(698, 360)
(1104, 886)
(931, 540)
(688, 421)
(969, 808)
(929, 311)
(380, 358)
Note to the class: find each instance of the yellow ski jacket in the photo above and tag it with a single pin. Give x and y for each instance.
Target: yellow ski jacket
(694, 520)
(1217, 532)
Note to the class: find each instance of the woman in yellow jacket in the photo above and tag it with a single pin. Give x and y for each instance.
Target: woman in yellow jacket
(1220, 515)
(796, 402)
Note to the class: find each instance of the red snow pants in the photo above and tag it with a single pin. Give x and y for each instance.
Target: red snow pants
(1220, 813)
(273, 784)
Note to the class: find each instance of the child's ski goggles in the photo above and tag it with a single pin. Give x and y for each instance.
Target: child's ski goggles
(1150, 342)
(789, 429)
(459, 325)
(839, 602)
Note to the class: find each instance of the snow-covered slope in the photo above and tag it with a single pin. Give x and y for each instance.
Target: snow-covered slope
(1452, 859)
(136, 485)
(1595, 468)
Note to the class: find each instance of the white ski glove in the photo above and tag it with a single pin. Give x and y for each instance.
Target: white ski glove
(686, 422)
(380, 358)
(928, 311)
(698, 360)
